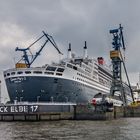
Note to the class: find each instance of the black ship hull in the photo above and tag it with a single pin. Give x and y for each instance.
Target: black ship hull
(48, 89)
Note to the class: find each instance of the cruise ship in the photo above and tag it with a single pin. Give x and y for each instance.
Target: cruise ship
(74, 79)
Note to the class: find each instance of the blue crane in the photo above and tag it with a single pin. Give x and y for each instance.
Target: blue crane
(118, 40)
(117, 60)
(26, 58)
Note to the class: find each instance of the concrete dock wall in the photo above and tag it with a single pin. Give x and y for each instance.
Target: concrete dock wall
(45, 112)
(36, 112)
(132, 111)
(86, 112)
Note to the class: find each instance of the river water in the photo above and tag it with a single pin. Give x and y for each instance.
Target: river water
(120, 129)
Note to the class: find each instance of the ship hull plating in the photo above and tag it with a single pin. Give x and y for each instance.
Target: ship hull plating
(48, 89)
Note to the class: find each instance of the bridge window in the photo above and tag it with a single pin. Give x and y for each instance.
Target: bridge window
(50, 73)
(19, 72)
(28, 72)
(68, 65)
(12, 73)
(60, 69)
(59, 74)
(51, 68)
(38, 72)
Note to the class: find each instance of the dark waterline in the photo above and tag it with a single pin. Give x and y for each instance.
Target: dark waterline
(120, 129)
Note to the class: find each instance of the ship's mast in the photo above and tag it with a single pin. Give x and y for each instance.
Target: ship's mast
(69, 51)
(85, 50)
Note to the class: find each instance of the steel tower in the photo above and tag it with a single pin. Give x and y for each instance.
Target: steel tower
(117, 61)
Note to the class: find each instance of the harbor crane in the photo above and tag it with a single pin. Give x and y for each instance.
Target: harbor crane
(29, 59)
(117, 62)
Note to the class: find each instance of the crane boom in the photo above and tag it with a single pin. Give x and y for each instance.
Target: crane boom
(26, 58)
(50, 38)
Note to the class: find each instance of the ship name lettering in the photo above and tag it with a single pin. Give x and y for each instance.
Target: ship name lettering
(18, 79)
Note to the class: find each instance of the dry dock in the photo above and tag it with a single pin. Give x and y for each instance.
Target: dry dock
(62, 111)
(36, 111)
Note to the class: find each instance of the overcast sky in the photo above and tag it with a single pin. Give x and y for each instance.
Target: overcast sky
(69, 21)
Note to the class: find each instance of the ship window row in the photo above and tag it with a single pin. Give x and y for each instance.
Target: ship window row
(60, 69)
(34, 72)
(59, 74)
(51, 68)
(96, 68)
(104, 71)
(84, 85)
(87, 77)
(52, 73)
(105, 78)
(104, 82)
(89, 82)
(83, 80)
(87, 70)
(101, 81)
(87, 67)
(37, 72)
(105, 75)
(49, 73)
(21, 72)
(95, 73)
(70, 66)
(54, 69)
(84, 72)
(28, 72)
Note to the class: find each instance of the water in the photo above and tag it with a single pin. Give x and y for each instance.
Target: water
(120, 129)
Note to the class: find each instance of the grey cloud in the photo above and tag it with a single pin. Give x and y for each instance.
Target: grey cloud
(74, 21)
